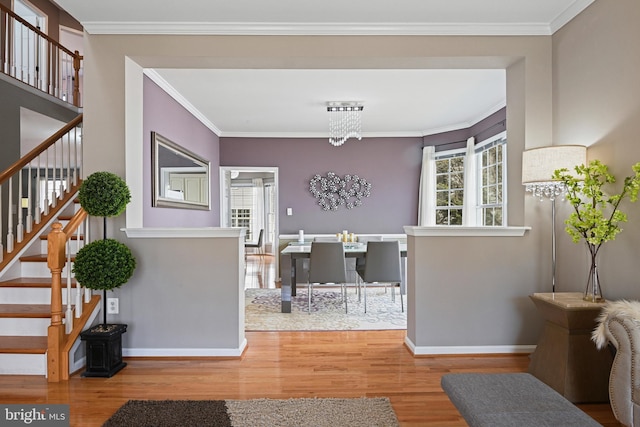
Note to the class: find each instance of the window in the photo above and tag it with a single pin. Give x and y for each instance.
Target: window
(466, 186)
(241, 218)
(242, 208)
(449, 189)
(491, 164)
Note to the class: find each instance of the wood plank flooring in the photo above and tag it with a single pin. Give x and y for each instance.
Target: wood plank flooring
(282, 365)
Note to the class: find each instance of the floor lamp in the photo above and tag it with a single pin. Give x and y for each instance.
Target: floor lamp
(538, 165)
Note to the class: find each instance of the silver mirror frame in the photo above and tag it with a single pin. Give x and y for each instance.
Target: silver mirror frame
(198, 166)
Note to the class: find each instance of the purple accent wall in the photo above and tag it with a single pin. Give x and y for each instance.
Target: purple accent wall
(164, 115)
(391, 165)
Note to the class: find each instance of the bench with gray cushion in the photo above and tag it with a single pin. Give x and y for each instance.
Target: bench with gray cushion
(514, 399)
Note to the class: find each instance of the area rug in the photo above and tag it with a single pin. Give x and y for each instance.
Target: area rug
(311, 412)
(263, 311)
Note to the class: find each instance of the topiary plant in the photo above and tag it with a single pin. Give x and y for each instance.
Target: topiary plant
(104, 265)
(104, 194)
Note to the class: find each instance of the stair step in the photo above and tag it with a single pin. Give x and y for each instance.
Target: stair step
(39, 258)
(73, 237)
(23, 345)
(24, 311)
(31, 282)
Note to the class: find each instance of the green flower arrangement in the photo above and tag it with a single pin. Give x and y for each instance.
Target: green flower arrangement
(596, 217)
(104, 265)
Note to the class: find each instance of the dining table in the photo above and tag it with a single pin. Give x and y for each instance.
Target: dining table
(295, 251)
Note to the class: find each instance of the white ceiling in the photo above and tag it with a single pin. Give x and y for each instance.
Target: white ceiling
(290, 103)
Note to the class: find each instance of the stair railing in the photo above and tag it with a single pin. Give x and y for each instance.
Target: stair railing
(60, 333)
(31, 56)
(35, 187)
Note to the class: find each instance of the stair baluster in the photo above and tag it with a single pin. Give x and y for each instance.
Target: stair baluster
(37, 208)
(29, 219)
(68, 317)
(20, 226)
(10, 237)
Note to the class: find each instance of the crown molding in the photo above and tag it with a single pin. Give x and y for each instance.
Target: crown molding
(172, 92)
(568, 14)
(342, 29)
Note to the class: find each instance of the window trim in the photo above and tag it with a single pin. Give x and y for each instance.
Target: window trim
(478, 150)
(446, 155)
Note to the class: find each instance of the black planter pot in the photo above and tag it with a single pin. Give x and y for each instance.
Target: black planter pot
(104, 350)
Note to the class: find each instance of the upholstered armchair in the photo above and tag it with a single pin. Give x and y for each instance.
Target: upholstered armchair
(619, 325)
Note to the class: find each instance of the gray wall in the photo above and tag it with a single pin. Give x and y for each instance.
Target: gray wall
(184, 294)
(110, 120)
(478, 301)
(597, 103)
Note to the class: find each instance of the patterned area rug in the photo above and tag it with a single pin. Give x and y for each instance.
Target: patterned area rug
(307, 412)
(262, 311)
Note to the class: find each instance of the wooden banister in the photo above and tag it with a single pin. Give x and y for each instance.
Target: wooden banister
(24, 161)
(75, 222)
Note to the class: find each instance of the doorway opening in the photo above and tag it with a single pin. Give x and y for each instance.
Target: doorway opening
(249, 199)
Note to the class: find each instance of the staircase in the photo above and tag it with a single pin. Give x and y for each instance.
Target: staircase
(25, 306)
(42, 310)
(42, 314)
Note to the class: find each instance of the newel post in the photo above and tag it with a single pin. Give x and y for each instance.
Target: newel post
(76, 78)
(56, 242)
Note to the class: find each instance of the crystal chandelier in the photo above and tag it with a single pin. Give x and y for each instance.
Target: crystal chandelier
(344, 121)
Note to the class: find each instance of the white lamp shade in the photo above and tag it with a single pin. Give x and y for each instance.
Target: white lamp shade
(538, 164)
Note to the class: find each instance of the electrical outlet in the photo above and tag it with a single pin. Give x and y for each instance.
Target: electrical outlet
(112, 306)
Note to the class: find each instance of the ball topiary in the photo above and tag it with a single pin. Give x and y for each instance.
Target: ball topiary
(104, 194)
(104, 265)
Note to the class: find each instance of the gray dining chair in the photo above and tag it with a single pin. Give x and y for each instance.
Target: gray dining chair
(327, 266)
(360, 261)
(382, 265)
(256, 245)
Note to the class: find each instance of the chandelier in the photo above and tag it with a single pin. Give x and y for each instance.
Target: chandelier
(344, 121)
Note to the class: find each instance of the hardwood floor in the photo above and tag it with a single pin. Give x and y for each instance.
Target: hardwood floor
(260, 272)
(282, 365)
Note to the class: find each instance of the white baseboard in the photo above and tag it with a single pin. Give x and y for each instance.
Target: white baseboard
(185, 352)
(484, 349)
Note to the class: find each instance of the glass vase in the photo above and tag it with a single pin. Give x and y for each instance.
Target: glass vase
(593, 292)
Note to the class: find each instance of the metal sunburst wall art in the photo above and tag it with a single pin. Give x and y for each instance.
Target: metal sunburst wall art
(332, 191)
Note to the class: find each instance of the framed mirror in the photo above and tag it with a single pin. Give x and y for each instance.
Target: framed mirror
(180, 177)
